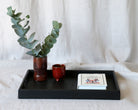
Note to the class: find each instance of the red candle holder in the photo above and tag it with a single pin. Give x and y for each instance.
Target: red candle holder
(58, 71)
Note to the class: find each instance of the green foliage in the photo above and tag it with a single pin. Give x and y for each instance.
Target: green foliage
(37, 50)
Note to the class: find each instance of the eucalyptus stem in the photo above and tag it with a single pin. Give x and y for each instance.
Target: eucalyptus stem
(35, 49)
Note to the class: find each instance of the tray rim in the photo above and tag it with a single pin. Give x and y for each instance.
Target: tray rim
(111, 72)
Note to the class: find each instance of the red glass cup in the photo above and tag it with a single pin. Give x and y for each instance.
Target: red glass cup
(58, 71)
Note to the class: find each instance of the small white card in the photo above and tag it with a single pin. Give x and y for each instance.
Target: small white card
(92, 81)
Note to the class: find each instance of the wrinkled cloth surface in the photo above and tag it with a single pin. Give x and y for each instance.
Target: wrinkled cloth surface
(12, 73)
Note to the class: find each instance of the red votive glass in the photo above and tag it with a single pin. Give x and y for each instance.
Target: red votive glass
(58, 71)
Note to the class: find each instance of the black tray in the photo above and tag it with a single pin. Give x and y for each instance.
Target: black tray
(67, 88)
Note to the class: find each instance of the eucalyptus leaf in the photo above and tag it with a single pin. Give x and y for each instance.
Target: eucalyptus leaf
(19, 32)
(47, 51)
(56, 30)
(53, 40)
(26, 30)
(55, 25)
(26, 23)
(37, 49)
(15, 21)
(32, 44)
(17, 15)
(31, 37)
(27, 16)
(10, 12)
(54, 34)
(22, 39)
(17, 27)
(25, 43)
(60, 25)
(13, 11)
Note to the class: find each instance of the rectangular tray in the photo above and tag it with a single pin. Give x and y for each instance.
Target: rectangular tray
(67, 88)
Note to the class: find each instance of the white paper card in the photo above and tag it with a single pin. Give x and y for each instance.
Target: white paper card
(92, 81)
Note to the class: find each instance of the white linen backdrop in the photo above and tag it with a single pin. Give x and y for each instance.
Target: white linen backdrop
(100, 32)
(94, 31)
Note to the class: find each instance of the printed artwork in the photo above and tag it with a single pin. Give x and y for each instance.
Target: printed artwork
(92, 81)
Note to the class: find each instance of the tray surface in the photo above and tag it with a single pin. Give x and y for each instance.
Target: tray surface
(66, 88)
